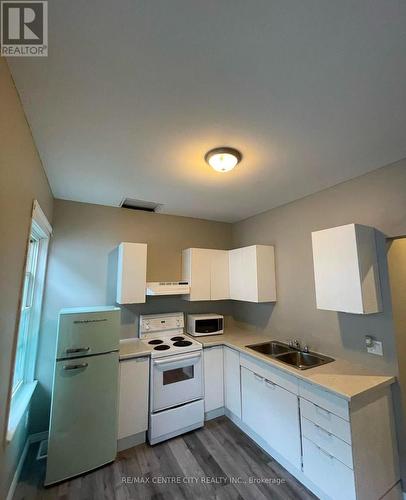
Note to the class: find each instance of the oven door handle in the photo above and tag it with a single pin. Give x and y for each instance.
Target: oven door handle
(174, 359)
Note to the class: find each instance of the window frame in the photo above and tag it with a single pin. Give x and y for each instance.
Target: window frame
(27, 311)
(20, 397)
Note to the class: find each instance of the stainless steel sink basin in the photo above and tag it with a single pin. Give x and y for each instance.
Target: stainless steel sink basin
(292, 357)
(272, 348)
(304, 360)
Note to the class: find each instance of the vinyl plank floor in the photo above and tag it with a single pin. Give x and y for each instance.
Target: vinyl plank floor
(215, 462)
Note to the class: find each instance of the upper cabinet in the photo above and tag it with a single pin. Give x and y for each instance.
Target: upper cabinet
(207, 272)
(252, 274)
(246, 274)
(131, 273)
(346, 269)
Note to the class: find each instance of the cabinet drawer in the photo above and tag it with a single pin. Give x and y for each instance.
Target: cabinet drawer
(328, 442)
(327, 420)
(279, 377)
(333, 478)
(331, 402)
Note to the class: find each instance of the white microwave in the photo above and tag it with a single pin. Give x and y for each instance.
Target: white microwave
(205, 324)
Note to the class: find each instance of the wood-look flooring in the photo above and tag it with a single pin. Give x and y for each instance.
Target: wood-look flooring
(217, 461)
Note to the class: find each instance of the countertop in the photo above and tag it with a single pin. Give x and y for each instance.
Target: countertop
(341, 377)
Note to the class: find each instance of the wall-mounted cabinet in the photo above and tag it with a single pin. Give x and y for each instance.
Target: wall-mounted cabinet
(252, 273)
(207, 272)
(131, 273)
(346, 269)
(246, 274)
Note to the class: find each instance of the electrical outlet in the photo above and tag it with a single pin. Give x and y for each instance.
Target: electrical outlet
(376, 348)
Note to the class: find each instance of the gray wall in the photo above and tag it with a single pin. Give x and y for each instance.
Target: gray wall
(82, 271)
(22, 179)
(377, 199)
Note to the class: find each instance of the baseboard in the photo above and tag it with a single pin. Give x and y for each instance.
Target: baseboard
(17, 473)
(130, 441)
(218, 412)
(32, 438)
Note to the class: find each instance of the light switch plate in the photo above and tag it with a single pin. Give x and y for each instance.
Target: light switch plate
(376, 348)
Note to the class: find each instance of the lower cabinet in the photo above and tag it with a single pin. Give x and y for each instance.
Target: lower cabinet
(349, 449)
(232, 385)
(213, 378)
(272, 412)
(133, 400)
(341, 449)
(330, 475)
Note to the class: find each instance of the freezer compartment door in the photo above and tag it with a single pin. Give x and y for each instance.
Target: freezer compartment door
(88, 333)
(83, 427)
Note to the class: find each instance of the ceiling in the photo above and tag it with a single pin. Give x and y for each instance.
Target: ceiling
(134, 93)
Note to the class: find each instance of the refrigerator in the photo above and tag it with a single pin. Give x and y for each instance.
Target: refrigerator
(83, 423)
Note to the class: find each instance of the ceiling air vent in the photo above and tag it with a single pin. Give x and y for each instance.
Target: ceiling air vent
(146, 206)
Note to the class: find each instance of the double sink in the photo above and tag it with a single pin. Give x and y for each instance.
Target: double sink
(289, 355)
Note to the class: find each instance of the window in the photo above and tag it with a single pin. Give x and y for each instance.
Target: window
(26, 313)
(23, 383)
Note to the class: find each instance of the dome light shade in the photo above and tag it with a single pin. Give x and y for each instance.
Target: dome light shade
(223, 159)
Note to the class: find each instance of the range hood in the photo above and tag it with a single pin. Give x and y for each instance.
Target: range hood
(167, 288)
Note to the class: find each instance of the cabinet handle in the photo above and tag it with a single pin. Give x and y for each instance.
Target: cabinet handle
(270, 384)
(75, 367)
(325, 453)
(322, 431)
(73, 350)
(258, 377)
(322, 411)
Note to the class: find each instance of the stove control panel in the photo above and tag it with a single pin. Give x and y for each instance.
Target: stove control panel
(161, 323)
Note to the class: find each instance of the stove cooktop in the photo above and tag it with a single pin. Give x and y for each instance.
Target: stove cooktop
(165, 334)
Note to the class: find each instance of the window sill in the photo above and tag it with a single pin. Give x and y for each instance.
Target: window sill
(19, 405)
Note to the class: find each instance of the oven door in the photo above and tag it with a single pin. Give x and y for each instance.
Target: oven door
(176, 380)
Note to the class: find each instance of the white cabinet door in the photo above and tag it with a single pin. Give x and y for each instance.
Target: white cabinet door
(207, 272)
(196, 268)
(219, 275)
(236, 274)
(131, 273)
(252, 273)
(213, 378)
(133, 402)
(232, 386)
(334, 478)
(346, 269)
(273, 413)
(249, 274)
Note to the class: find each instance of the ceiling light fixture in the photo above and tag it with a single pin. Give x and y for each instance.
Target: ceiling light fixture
(223, 159)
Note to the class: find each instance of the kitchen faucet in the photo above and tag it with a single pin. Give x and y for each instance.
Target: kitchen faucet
(296, 345)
